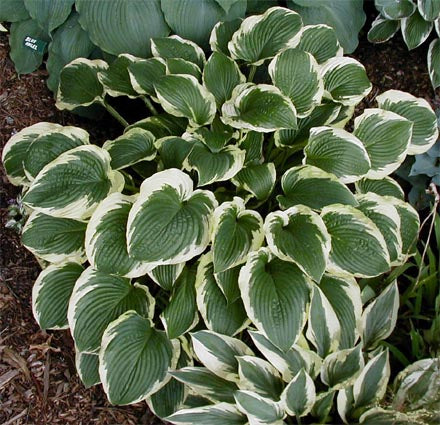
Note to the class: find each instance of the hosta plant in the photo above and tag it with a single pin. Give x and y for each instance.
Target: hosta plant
(207, 259)
(69, 29)
(416, 20)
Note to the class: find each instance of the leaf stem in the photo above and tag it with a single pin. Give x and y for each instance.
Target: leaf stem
(131, 188)
(252, 73)
(150, 105)
(115, 114)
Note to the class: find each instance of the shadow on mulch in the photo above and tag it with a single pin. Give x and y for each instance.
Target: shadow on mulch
(38, 382)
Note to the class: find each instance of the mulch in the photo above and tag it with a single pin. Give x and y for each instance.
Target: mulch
(38, 382)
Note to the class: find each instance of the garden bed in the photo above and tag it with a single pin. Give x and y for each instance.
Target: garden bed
(38, 382)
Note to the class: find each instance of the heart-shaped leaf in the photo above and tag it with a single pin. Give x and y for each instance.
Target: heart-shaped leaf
(262, 37)
(288, 232)
(169, 223)
(134, 359)
(276, 295)
(72, 185)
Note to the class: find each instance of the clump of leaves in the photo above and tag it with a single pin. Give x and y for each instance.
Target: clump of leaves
(230, 212)
(70, 29)
(416, 20)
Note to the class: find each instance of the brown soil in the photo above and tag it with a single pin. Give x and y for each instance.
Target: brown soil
(38, 382)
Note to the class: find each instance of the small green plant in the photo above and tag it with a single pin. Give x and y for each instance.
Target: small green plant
(416, 21)
(16, 216)
(241, 211)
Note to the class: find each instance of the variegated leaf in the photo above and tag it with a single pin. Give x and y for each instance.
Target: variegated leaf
(166, 276)
(417, 385)
(296, 73)
(206, 383)
(290, 362)
(258, 408)
(323, 405)
(51, 293)
(14, 152)
(220, 75)
(324, 329)
(313, 187)
(221, 35)
(384, 187)
(98, 299)
(385, 216)
(319, 40)
(340, 369)
(134, 146)
(262, 37)
(170, 398)
(116, 78)
(276, 295)
(380, 317)
(337, 151)
(180, 316)
(219, 353)
(173, 151)
(358, 247)
(371, 385)
(79, 84)
(184, 96)
(386, 137)
(145, 73)
(409, 226)
(300, 395)
(50, 145)
(345, 80)
(323, 114)
(216, 414)
(87, 366)
(419, 112)
(261, 108)
(252, 143)
(415, 30)
(434, 62)
(227, 281)
(392, 9)
(134, 359)
(106, 244)
(236, 232)
(259, 376)
(211, 166)
(288, 232)
(219, 315)
(382, 29)
(161, 125)
(54, 239)
(429, 9)
(182, 66)
(72, 185)
(344, 295)
(177, 47)
(169, 222)
(258, 179)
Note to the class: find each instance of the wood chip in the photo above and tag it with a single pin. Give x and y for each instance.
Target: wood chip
(8, 376)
